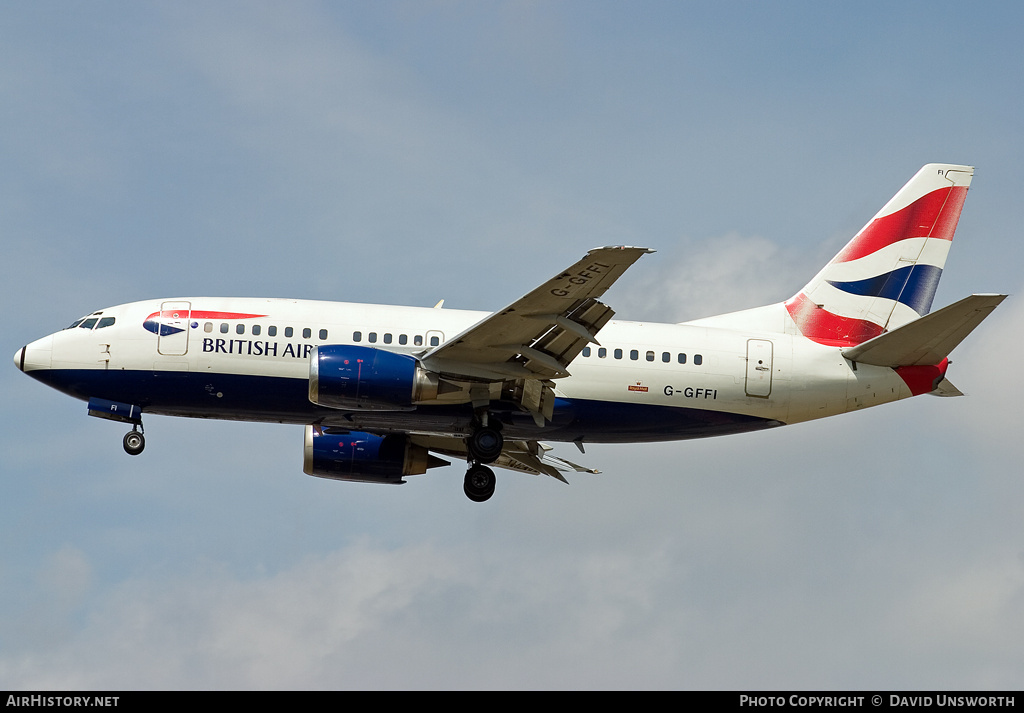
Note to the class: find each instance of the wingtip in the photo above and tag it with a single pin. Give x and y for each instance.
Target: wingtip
(645, 251)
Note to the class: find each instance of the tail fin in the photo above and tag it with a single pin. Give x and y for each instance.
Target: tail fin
(886, 276)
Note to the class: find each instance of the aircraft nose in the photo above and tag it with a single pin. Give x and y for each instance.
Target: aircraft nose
(36, 355)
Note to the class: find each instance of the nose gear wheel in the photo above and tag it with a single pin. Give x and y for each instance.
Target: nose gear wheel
(134, 442)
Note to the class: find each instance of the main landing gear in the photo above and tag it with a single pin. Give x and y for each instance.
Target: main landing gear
(479, 485)
(134, 441)
(483, 446)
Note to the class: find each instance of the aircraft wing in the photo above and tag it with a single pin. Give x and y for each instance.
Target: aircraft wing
(538, 335)
(524, 456)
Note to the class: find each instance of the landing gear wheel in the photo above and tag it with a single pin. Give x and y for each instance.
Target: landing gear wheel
(485, 444)
(479, 484)
(134, 442)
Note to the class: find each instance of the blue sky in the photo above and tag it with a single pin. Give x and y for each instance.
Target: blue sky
(405, 152)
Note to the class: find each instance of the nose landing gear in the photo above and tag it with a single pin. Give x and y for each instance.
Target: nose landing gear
(134, 441)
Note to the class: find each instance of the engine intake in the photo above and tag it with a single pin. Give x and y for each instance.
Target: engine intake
(356, 377)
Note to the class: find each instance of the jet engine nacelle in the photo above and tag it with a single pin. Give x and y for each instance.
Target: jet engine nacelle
(364, 457)
(355, 377)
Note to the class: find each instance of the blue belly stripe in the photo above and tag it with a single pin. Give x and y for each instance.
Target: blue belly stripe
(285, 400)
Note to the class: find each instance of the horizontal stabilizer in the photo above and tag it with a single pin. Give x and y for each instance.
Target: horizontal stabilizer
(928, 340)
(944, 388)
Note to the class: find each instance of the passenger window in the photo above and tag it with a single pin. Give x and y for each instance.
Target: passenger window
(307, 333)
(418, 340)
(240, 329)
(224, 327)
(602, 353)
(323, 334)
(666, 357)
(586, 351)
(618, 353)
(682, 358)
(387, 338)
(357, 336)
(208, 327)
(372, 339)
(698, 360)
(403, 339)
(634, 354)
(271, 331)
(288, 331)
(256, 329)
(434, 341)
(650, 356)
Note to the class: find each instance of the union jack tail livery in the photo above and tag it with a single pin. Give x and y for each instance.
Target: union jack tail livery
(886, 276)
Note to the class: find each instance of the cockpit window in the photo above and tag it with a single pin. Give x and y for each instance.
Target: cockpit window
(89, 321)
(105, 322)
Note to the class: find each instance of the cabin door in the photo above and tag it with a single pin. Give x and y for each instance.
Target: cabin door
(172, 334)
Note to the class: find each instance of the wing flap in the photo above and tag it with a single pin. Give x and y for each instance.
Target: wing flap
(523, 456)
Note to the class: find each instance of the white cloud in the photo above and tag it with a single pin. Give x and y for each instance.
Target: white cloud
(366, 617)
(712, 276)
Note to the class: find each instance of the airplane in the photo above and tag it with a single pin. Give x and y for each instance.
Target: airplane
(385, 392)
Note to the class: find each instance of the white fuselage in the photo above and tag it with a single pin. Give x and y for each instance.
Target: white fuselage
(248, 359)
